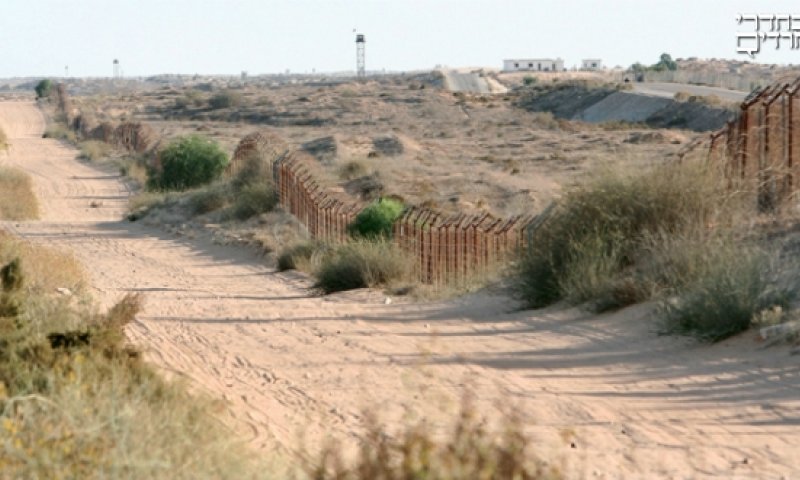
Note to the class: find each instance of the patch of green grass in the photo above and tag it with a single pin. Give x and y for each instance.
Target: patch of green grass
(17, 200)
(188, 162)
(377, 219)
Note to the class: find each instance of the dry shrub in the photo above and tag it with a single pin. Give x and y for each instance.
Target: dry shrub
(209, 199)
(46, 269)
(256, 168)
(598, 232)
(300, 256)
(667, 232)
(225, 99)
(254, 199)
(469, 452)
(135, 168)
(681, 96)
(727, 287)
(77, 402)
(593, 239)
(363, 263)
(353, 169)
(545, 120)
(60, 131)
(142, 204)
(94, 150)
(17, 200)
(3, 140)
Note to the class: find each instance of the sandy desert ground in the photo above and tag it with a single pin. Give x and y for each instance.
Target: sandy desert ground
(453, 152)
(605, 396)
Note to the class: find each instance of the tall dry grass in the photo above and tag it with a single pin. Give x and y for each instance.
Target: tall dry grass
(77, 402)
(469, 451)
(17, 200)
(671, 232)
(94, 150)
(361, 263)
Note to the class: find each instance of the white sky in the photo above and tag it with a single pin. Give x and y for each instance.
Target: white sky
(40, 37)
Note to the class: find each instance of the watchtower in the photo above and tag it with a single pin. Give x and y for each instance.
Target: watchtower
(361, 43)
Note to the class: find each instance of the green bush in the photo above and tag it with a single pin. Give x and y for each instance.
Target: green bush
(254, 199)
(43, 88)
(188, 162)
(362, 263)
(225, 99)
(377, 218)
(592, 245)
(528, 80)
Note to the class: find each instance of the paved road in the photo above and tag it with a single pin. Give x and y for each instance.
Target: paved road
(658, 89)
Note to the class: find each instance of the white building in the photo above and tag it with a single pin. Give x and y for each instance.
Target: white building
(533, 64)
(591, 64)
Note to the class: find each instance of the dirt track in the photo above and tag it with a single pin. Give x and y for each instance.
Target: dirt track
(636, 405)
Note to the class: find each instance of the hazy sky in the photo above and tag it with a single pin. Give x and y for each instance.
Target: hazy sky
(40, 37)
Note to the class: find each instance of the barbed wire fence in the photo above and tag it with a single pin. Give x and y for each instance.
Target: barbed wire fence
(759, 149)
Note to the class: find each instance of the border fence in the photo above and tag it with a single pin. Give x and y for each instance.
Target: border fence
(446, 248)
(759, 149)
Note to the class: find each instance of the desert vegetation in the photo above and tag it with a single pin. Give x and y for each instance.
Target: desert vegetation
(193, 166)
(77, 401)
(470, 451)
(44, 88)
(225, 99)
(59, 131)
(188, 162)
(377, 218)
(94, 150)
(670, 232)
(362, 263)
(17, 200)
